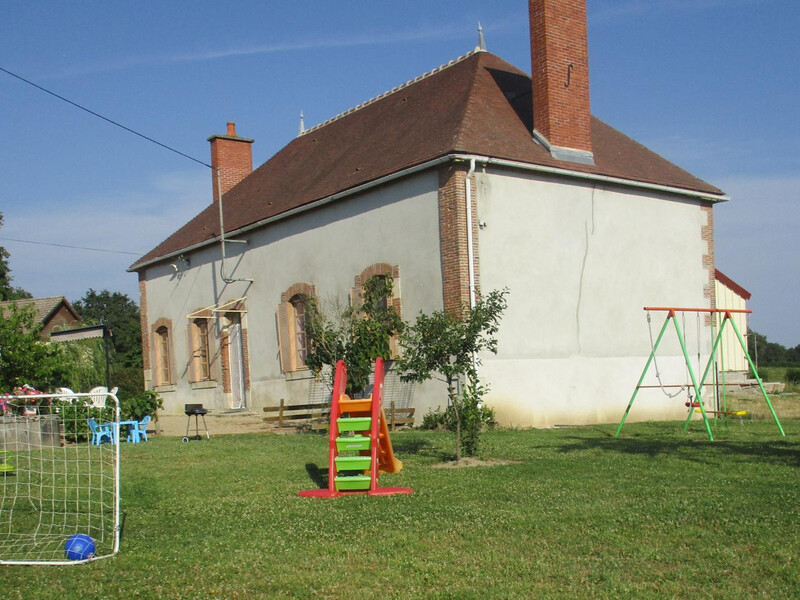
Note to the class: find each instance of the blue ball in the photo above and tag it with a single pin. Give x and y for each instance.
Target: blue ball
(79, 547)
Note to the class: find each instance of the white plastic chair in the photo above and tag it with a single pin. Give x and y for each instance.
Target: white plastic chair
(98, 397)
(68, 394)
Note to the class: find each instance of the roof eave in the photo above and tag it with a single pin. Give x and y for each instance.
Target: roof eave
(481, 159)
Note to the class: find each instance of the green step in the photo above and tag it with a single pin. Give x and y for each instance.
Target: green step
(353, 463)
(353, 442)
(352, 482)
(354, 423)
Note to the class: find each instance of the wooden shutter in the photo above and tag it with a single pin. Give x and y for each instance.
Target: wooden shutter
(190, 344)
(286, 339)
(356, 297)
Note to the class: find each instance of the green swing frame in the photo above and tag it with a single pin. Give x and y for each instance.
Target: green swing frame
(698, 386)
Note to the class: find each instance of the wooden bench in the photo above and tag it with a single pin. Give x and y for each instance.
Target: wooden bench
(316, 417)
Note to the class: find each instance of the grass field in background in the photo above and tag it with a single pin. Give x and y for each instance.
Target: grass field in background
(655, 513)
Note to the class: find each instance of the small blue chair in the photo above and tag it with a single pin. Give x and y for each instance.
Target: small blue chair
(101, 431)
(141, 430)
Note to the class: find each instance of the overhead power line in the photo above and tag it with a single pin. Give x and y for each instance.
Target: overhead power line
(99, 116)
(5, 239)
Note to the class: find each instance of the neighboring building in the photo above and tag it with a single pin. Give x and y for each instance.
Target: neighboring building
(53, 313)
(474, 176)
(731, 295)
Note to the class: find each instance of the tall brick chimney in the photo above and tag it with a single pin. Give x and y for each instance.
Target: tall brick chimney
(233, 156)
(560, 73)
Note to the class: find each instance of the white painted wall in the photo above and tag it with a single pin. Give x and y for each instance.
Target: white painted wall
(581, 261)
(396, 224)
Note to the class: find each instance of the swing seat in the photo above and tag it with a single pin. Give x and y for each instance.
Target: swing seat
(735, 413)
(692, 405)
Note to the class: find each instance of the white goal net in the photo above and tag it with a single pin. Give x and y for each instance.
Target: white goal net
(59, 478)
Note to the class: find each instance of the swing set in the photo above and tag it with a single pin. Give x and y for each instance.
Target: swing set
(696, 404)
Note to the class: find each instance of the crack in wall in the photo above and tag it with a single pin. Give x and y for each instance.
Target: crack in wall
(583, 270)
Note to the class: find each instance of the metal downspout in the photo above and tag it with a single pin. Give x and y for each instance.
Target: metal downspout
(470, 243)
(471, 249)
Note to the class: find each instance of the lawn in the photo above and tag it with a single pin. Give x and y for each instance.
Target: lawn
(656, 513)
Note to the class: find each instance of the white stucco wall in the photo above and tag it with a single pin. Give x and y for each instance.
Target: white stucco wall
(328, 247)
(580, 262)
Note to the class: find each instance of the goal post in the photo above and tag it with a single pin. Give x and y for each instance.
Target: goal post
(59, 478)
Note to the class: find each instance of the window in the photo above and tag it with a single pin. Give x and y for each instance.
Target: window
(200, 368)
(162, 352)
(380, 273)
(298, 302)
(292, 326)
(163, 355)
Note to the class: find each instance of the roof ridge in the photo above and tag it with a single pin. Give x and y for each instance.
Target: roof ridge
(467, 109)
(393, 90)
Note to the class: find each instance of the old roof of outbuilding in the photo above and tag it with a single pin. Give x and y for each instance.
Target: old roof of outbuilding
(478, 104)
(45, 307)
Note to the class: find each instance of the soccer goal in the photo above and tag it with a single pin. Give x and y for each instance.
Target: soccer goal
(59, 478)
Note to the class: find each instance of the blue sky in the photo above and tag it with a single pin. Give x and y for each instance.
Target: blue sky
(712, 85)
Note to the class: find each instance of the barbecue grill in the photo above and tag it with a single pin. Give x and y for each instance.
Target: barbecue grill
(198, 411)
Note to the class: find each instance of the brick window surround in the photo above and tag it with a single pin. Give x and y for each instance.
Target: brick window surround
(291, 326)
(378, 269)
(163, 361)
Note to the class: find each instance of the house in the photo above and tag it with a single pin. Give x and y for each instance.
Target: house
(52, 313)
(730, 294)
(475, 176)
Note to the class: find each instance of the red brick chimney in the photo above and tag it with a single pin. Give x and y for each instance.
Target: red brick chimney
(233, 156)
(560, 73)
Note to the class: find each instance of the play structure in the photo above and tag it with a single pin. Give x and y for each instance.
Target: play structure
(358, 441)
(697, 403)
(56, 485)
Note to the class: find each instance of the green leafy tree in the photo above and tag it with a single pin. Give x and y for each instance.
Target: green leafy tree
(8, 291)
(447, 344)
(121, 315)
(358, 335)
(24, 358)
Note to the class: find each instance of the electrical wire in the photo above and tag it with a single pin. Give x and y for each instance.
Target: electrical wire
(99, 116)
(5, 239)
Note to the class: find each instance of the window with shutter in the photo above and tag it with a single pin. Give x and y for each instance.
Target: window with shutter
(162, 352)
(292, 325)
(384, 271)
(199, 340)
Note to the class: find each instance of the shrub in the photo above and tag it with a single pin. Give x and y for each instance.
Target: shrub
(792, 376)
(138, 406)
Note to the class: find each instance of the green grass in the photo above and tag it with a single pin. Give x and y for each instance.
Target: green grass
(655, 513)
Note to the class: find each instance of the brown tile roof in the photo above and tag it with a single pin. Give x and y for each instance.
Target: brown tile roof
(45, 307)
(478, 104)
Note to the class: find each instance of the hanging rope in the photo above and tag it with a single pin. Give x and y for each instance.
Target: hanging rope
(655, 364)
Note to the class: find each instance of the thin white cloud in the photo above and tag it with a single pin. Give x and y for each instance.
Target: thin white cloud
(424, 34)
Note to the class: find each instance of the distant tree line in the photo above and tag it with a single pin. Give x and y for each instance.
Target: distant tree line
(771, 354)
